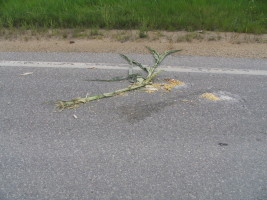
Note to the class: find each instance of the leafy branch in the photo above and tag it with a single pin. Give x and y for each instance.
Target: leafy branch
(137, 80)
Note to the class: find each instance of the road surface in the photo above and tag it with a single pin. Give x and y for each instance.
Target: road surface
(162, 145)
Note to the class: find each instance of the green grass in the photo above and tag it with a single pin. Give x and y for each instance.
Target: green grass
(216, 15)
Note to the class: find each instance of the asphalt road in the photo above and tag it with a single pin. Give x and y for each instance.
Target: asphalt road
(162, 145)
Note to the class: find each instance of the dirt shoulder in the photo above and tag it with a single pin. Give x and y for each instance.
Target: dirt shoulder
(192, 43)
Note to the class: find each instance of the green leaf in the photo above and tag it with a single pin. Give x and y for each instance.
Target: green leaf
(131, 62)
(160, 57)
(154, 53)
(166, 53)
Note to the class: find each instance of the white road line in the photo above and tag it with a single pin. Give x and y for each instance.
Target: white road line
(110, 66)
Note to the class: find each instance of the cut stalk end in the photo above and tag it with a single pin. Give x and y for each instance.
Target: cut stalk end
(73, 103)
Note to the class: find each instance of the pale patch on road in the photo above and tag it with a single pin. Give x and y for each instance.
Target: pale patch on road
(220, 96)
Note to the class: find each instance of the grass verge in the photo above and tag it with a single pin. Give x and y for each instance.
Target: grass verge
(248, 16)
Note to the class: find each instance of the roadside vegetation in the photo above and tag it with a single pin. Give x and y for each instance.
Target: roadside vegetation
(249, 16)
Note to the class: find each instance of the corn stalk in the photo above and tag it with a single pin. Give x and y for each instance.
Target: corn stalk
(137, 80)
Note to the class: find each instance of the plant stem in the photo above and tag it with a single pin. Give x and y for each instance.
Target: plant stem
(73, 103)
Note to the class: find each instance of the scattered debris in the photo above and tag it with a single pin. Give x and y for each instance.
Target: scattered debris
(223, 144)
(185, 100)
(26, 73)
(165, 86)
(172, 83)
(75, 117)
(150, 88)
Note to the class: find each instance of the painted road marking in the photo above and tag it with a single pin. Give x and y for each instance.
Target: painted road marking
(110, 66)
